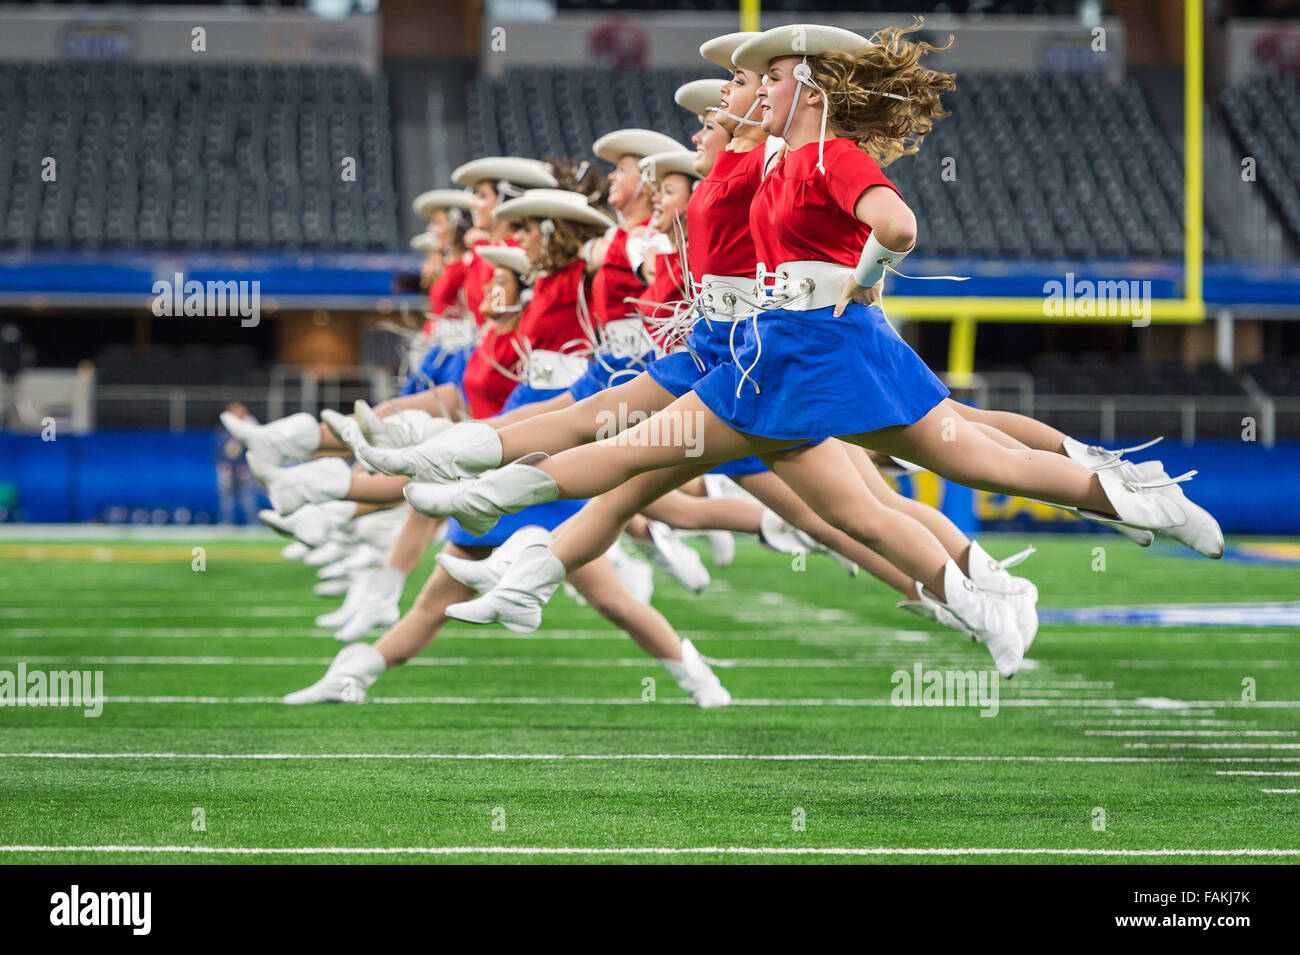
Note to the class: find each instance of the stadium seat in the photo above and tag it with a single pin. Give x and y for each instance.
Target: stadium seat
(182, 156)
(1106, 180)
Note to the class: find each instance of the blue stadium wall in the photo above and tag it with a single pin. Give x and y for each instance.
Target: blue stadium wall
(116, 475)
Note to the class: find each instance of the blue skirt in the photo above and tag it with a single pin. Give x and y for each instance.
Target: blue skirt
(677, 374)
(820, 377)
(607, 372)
(526, 394)
(740, 467)
(550, 515)
(708, 346)
(437, 367)
(452, 368)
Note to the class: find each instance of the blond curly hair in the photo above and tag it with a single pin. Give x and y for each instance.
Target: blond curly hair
(883, 127)
(564, 244)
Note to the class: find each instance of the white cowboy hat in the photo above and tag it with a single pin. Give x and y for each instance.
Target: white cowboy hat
(527, 173)
(633, 142)
(720, 49)
(506, 257)
(654, 168)
(427, 203)
(799, 39)
(552, 204)
(422, 242)
(699, 96)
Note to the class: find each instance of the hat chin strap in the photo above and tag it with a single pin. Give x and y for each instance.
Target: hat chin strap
(508, 190)
(803, 77)
(742, 120)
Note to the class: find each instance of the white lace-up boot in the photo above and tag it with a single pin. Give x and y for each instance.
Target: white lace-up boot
(483, 575)
(276, 442)
(353, 671)
(993, 576)
(785, 538)
(517, 600)
(326, 479)
(987, 616)
(1158, 504)
(376, 604)
(695, 676)
(462, 452)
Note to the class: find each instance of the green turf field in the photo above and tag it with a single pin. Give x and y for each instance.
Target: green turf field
(500, 747)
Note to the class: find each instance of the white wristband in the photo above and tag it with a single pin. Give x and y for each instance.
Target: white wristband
(875, 257)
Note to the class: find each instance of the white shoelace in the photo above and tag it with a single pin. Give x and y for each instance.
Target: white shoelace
(1008, 562)
(1115, 457)
(1156, 483)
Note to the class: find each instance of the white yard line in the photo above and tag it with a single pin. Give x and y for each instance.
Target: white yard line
(147, 660)
(1229, 733)
(647, 850)
(457, 633)
(1212, 745)
(1254, 772)
(128, 613)
(758, 701)
(1097, 721)
(654, 757)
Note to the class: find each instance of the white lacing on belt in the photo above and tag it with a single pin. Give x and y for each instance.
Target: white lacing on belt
(668, 321)
(768, 302)
(534, 369)
(521, 351)
(771, 300)
(594, 344)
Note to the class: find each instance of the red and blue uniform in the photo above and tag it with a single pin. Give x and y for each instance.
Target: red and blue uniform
(805, 374)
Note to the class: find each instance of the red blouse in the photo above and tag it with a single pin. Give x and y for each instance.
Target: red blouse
(665, 292)
(550, 320)
(717, 216)
(486, 388)
(801, 214)
(478, 273)
(615, 281)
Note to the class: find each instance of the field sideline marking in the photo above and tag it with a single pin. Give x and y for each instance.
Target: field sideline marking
(1228, 733)
(726, 664)
(760, 701)
(1255, 772)
(1280, 790)
(647, 850)
(1184, 721)
(1212, 745)
(656, 757)
(460, 633)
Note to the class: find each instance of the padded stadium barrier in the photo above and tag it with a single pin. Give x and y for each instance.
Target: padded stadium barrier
(162, 477)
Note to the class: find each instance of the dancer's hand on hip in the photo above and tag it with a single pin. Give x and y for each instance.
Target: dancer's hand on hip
(853, 292)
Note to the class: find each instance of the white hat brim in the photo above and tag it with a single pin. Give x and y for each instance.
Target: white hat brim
(655, 167)
(552, 204)
(506, 257)
(526, 173)
(427, 203)
(633, 142)
(798, 39)
(699, 96)
(720, 49)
